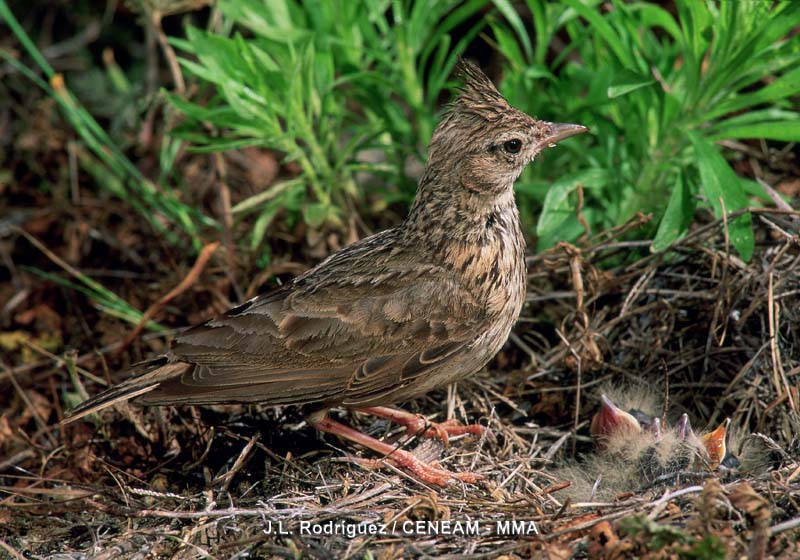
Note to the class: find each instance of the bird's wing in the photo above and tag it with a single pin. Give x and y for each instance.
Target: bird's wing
(328, 336)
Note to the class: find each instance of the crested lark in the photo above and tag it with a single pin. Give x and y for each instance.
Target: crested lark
(390, 317)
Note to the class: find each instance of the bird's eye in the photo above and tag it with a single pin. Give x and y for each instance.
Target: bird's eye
(512, 146)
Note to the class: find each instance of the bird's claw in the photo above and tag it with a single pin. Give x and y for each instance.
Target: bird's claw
(431, 473)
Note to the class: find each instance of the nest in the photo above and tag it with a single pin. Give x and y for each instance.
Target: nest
(694, 327)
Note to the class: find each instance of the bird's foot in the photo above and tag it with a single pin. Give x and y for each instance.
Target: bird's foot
(431, 473)
(419, 425)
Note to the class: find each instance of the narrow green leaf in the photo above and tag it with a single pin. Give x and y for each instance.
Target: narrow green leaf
(278, 189)
(678, 216)
(626, 83)
(512, 17)
(557, 207)
(783, 131)
(508, 45)
(606, 31)
(262, 223)
(721, 185)
(753, 117)
(785, 86)
(656, 16)
(315, 214)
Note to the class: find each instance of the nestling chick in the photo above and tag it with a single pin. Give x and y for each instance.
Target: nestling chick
(635, 452)
(388, 318)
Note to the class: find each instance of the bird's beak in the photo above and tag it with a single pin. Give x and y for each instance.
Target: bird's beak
(684, 428)
(714, 443)
(611, 421)
(560, 131)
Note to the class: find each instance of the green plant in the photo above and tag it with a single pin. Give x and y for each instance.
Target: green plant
(662, 537)
(156, 203)
(101, 157)
(333, 83)
(323, 82)
(657, 92)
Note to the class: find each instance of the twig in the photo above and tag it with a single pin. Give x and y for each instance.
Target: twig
(671, 496)
(184, 285)
(169, 52)
(579, 215)
(41, 422)
(722, 296)
(778, 374)
(785, 526)
(227, 222)
(226, 478)
(11, 550)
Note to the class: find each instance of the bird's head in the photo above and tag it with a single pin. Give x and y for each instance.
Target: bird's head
(487, 141)
(613, 427)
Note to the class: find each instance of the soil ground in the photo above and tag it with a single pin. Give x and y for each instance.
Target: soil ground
(691, 330)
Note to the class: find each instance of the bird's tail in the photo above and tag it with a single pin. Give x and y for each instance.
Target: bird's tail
(145, 376)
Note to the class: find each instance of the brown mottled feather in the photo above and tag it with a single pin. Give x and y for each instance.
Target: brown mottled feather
(392, 316)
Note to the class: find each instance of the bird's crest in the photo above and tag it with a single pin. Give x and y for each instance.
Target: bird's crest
(476, 88)
(477, 95)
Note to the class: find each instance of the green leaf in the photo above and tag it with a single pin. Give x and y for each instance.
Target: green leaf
(694, 18)
(783, 131)
(262, 223)
(508, 45)
(315, 214)
(626, 82)
(763, 115)
(755, 191)
(604, 29)
(656, 16)
(515, 21)
(568, 230)
(785, 86)
(678, 216)
(721, 186)
(274, 191)
(655, 534)
(710, 547)
(557, 206)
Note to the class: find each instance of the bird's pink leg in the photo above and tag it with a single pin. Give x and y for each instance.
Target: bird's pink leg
(418, 425)
(398, 457)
